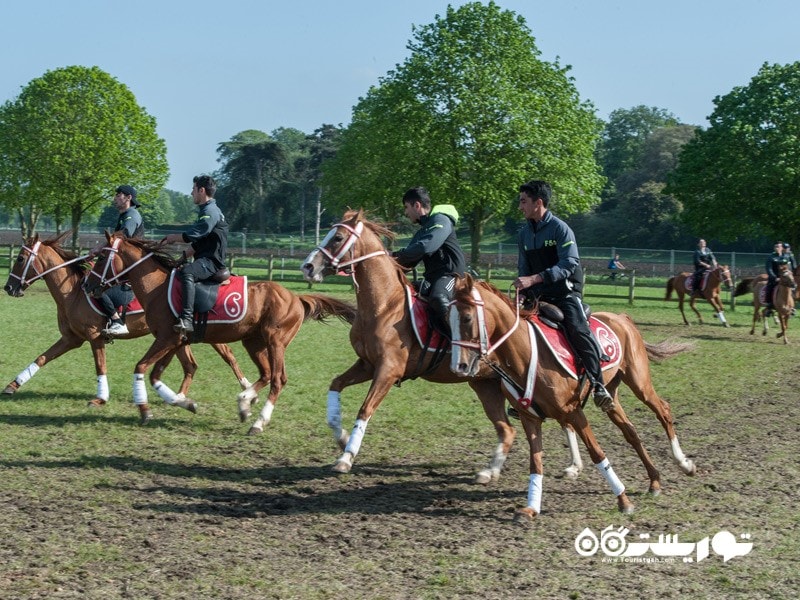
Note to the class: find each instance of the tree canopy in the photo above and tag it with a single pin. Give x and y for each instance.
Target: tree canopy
(471, 114)
(69, 139)
(740, 177)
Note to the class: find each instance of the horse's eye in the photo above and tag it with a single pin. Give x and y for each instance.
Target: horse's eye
(338, 238)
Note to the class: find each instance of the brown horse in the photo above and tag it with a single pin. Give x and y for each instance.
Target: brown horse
(389, 353)
(783, 302)
(746, 285)
(710, 291)
(271, 321)
(78, 322)
(487, 329)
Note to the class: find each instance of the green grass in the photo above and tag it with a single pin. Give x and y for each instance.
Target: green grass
(95, 506)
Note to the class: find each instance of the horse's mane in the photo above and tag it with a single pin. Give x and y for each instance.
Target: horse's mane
(160, 255)
(54, 243)
(466, 283)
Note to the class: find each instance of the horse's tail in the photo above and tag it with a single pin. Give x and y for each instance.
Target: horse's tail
(667, 349)
(670, 287)
(745, 286)
(319, 306)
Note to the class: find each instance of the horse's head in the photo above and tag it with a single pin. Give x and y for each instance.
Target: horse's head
(723, 272)
(26, 269)
(785, 276)
(468, 328)
(349, 242)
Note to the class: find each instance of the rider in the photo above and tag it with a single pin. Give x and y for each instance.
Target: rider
(549, 268)
(436, 245)
(703, 261)
(774, 263)
(209, 239)
(131, 225)
(615, 266)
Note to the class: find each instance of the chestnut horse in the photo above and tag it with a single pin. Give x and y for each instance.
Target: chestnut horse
(63, 272)
(273, 318)
(713, 279)
(389, 353)
(782, 301)
(487, 329)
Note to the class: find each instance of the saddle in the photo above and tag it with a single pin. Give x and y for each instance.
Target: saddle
(219, 299)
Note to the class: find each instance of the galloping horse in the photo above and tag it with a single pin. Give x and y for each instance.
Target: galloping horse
(710, 284)
(272, 319)
(487, 329)
(746, 285)
(62, 272)
(783, 301)
(389, 352)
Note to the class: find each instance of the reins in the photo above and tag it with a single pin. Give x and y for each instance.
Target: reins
(32, 254)
(116, 277)
(335, 261)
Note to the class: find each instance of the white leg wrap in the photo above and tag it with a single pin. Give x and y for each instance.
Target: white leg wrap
(677, 453)
(535, 493)
(102, 387)
(27, 373)
(722, 317)
(167, 395)
(608, 472)
(266, 412)
(354, 444)
(334, 413)
(498, 460)
(139, 389)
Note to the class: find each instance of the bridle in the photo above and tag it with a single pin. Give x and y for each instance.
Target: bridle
(334, 261)
(33, 254)
(115, 278)
(482, 345)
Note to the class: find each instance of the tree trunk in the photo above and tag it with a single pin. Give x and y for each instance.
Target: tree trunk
(77, 213)
(318, 217)
(476, 235)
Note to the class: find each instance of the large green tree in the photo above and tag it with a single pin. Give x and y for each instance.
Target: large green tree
(471, 114)
(68, 140)
(740, 178)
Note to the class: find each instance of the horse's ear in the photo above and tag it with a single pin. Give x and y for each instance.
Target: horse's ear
(468, 281)
(108, 234)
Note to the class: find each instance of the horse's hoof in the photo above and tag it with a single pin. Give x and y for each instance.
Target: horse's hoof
(342, 466)
(243, 416)
(624, 505)
(189, 405)
(145, 416)
(255, 430)
(11, 387)
(96, 403)
(483, 478)
(654, 491)
(572, 472)
(525, 515)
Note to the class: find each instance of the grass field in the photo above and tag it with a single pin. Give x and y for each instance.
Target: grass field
(94, 506)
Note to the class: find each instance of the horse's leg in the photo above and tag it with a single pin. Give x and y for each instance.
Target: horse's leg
(189, 364)
(382, 382)
(274, 375)
(578, 420)
(360, 372)
(160, 348)
(533, 431)
(692, 302)
(680, 306)
(637, 377)
(227, 355)
(716, 302)
(99, 355)
(756, 310)
(494, 403)
(63, 345)
(576, 466)
(620, 419)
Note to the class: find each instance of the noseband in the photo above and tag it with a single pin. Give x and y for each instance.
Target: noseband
(33, 253)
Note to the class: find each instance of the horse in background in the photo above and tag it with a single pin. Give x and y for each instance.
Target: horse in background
(783, 301)
(79, 322)
(710, 290)
(489, 329)
(267, 320)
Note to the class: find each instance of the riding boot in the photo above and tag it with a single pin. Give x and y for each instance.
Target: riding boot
(441, 314)
(184, 323)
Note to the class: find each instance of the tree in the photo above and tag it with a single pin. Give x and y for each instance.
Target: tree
(471, 114)
(68, 140)
(741, 177)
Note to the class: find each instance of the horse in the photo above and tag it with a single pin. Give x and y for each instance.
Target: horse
(388, 351)
(782, 300)
(746, 285)
(489, 329)
(711, 281)
(270, 321)
(78, 322)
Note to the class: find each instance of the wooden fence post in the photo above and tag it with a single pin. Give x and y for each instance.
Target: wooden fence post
(631, 286)
(270, 264)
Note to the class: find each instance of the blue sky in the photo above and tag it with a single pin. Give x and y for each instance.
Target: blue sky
(207, 70)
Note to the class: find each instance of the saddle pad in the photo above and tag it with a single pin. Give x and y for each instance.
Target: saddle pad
(556, 341)
(420, 322)
(231, 304)
(688, 283)
(134, 308)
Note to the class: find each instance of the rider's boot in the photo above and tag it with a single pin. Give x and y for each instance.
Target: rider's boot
(184, 323)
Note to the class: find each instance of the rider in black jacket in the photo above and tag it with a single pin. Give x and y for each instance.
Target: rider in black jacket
(436, 245)
(550, 269)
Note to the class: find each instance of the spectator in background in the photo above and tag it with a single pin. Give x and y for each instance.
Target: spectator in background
(615, 266)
